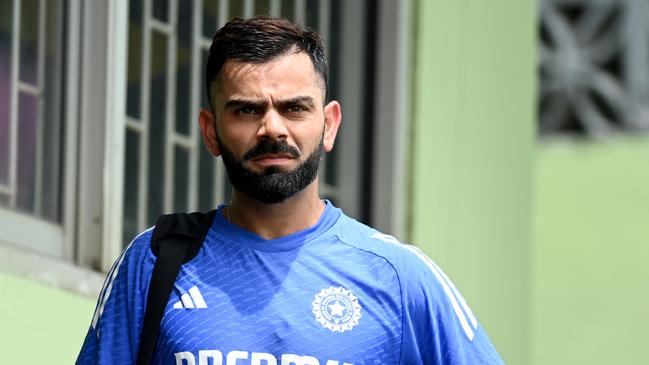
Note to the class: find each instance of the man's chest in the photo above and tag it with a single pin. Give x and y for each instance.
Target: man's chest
(298, 318)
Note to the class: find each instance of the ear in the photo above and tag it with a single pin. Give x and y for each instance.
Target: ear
(333, 117)
(207, 123)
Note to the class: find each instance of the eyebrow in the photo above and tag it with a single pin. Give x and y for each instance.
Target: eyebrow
(237, 103)
(261, 103)
(297, 100)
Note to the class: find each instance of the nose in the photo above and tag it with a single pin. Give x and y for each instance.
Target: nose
(272, 126)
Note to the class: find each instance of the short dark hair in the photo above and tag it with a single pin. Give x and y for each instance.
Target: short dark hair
(260, 40)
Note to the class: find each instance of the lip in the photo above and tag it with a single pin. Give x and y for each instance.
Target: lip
(273, 159)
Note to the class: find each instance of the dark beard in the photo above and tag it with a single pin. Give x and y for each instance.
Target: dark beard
(273, 185)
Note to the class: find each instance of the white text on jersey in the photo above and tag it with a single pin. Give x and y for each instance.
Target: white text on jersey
(256, 358)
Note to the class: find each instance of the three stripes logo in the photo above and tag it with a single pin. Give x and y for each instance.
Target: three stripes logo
(191, 299)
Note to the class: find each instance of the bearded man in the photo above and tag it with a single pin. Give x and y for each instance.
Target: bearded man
(283, 276)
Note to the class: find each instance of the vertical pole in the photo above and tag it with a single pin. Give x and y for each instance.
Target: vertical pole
(224, 9)
(248, 8)
(170, 105)
(300, 12)
(71, 121)
(194, 103)
(13, 129)
(219, 170)
(40, 87)
(115, 130)
(275, 8)
(146, 116)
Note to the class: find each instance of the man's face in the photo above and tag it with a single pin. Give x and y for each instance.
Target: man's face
(271, 125)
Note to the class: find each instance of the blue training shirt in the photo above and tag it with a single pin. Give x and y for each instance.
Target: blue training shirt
(336, 293)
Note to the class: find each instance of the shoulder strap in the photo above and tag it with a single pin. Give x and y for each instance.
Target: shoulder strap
(176, 239)
(166, 268)
(191, 227)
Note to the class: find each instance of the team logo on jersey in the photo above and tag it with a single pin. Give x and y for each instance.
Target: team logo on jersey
(337, 309)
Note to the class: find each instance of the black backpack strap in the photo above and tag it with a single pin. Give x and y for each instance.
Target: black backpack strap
(166, 268)
(176, 239)
(192, 227)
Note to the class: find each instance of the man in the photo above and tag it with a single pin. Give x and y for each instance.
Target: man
(284, 277)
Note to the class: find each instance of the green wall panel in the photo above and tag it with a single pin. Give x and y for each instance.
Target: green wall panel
(41, 324)
(473, 128)
(591, 235)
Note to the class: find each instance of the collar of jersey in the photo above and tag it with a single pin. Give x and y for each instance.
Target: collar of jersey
(286, 243)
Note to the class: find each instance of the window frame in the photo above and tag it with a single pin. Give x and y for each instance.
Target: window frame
(21, 229)
(34, 248)
(101, 153)
(392, 130)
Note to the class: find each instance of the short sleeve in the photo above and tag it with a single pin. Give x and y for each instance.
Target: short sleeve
(113, 335)
(439, 327)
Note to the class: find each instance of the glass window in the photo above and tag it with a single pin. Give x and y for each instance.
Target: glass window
(31, 138)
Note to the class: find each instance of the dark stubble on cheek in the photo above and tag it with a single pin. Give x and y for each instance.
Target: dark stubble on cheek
(273, 185)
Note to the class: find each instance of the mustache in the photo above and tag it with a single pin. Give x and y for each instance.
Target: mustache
(266, 147)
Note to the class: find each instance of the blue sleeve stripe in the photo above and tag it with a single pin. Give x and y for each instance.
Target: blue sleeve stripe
(108, 284)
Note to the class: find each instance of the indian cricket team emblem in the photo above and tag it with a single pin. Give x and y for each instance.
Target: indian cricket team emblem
(337, 309)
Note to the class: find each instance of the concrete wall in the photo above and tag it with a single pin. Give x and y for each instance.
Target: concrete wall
(40, 324)
(474, 123)
(591, 247)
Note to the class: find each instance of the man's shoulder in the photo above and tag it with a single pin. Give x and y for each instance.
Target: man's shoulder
(138, 249)
(142, 241)
(423, 283)
(407, 259)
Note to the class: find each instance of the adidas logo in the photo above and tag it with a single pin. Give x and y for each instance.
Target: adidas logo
(193, 299)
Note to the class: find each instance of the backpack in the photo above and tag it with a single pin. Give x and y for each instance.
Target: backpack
(176, 240)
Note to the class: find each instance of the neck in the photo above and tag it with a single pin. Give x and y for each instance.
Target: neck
(271, 221)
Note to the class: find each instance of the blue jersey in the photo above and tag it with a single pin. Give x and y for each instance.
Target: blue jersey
(336, 293)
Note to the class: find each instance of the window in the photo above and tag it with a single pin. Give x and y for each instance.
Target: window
(32, 126)
(98, 109)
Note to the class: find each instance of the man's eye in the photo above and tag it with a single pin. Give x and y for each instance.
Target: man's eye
(247, 111)
(296, 108)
